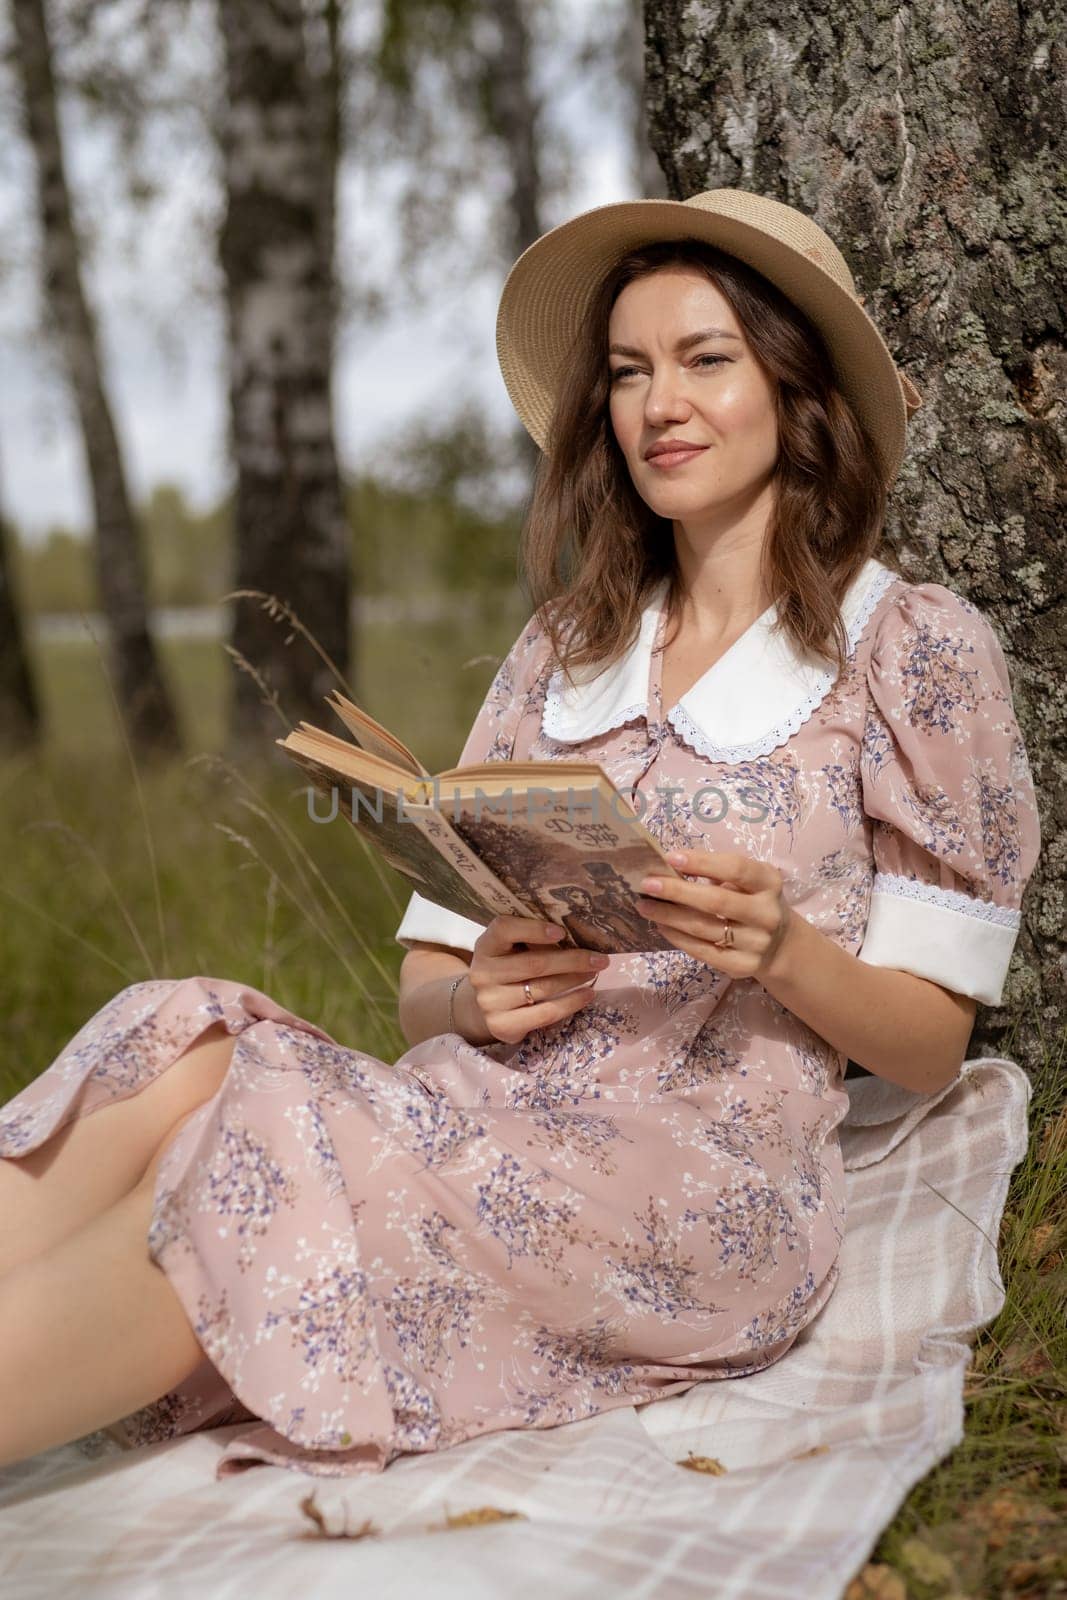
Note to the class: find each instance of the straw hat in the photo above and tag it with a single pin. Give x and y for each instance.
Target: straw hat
(549, 289)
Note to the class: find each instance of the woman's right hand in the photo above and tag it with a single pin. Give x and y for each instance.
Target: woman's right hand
(498, 971)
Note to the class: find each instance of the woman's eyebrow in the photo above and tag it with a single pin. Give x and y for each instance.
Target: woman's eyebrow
(682, 344)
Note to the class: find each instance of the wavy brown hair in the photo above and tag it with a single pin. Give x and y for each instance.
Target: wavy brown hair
(592, 550)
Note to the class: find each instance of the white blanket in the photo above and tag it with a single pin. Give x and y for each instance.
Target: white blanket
(873, 1386)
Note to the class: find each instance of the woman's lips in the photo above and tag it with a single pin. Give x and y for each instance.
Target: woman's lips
(675, 458)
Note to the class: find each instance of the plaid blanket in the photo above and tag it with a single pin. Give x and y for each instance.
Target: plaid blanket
(773, 1485)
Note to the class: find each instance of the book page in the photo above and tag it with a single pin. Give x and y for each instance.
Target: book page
(372, 736)
(419, 843)
(519, 773)
(349, 762)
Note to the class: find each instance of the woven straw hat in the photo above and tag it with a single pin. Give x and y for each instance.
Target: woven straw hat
(550, 287)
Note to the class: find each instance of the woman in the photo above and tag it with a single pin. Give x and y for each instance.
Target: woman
(590, 1181)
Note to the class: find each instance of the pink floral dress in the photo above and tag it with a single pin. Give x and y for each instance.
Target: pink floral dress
(380, 1259)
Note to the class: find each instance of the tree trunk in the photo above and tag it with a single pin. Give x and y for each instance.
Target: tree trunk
(514, 114)
(922, 142)
(290, 526)
(20, 717)
(327, 101)
(140, 689)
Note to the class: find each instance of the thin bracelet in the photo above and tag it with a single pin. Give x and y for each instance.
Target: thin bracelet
(452, 1000)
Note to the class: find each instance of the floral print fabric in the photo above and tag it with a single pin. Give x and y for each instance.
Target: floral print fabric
(380, 1258)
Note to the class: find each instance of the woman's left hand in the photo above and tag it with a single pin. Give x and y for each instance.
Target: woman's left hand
(691, 914)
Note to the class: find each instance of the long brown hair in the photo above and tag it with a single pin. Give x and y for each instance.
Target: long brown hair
(592, 550)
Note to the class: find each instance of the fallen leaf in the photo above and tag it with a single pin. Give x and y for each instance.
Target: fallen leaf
(925, 1564)
(1029, 1359)
(985, 1355)
(1053, 1137)
(1009, 1510)
(480, 1514)
(876, 1582)
(1045, 1247)
(703, 1464)
(1021, 1573)
(1038, 1240)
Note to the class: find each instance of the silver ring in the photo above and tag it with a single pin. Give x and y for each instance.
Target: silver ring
(529, 996)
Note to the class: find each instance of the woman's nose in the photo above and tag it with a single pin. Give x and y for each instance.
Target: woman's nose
(665, 398)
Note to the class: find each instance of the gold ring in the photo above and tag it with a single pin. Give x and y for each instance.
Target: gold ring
(727, 940)
(529, 996)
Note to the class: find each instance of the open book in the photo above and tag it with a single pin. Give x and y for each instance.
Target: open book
(547, 839)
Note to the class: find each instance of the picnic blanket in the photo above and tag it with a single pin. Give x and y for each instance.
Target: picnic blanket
(794, 1471)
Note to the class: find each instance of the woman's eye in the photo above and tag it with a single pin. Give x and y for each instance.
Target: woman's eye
(620, 372)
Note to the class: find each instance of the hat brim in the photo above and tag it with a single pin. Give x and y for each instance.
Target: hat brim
(549, 289)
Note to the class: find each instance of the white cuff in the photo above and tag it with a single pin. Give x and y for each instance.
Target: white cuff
(425, 920)
(950, 938)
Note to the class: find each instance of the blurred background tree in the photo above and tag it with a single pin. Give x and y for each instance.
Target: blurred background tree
(283, 187)
(279, 158)
(19, 707)
(153, 81)
(141, 691)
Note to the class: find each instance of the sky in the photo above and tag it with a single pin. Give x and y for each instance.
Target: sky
(162, 334)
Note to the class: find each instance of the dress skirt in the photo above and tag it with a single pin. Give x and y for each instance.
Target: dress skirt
(383, 1259)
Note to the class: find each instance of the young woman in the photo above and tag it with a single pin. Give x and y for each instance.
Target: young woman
(590, 1181)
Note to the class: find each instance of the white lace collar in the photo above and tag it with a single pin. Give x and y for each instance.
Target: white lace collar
(747, 703)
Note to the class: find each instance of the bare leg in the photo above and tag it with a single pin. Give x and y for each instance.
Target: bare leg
(90, 1331)
(96, 1159)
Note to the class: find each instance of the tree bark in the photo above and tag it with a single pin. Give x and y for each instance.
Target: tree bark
(924, 143)
(291, 532)
(145, 704)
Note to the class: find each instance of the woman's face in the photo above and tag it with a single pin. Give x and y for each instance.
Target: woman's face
(711, 393)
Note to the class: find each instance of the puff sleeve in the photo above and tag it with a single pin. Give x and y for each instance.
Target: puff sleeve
(947, 784)
(501, 732)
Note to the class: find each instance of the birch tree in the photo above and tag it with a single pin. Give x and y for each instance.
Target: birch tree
(140, 688)
(941, 177)
(275, 247)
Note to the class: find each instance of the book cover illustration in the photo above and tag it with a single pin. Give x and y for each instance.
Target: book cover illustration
(578, 862)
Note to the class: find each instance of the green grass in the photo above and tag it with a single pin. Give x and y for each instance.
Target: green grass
(201, 868)
(221, 873)
(991, 1519)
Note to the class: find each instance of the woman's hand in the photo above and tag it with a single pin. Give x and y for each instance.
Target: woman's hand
(498, 971)
(691, 914)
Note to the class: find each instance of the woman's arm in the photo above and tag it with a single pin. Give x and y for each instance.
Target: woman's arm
(898, 1026)
(426, 974)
